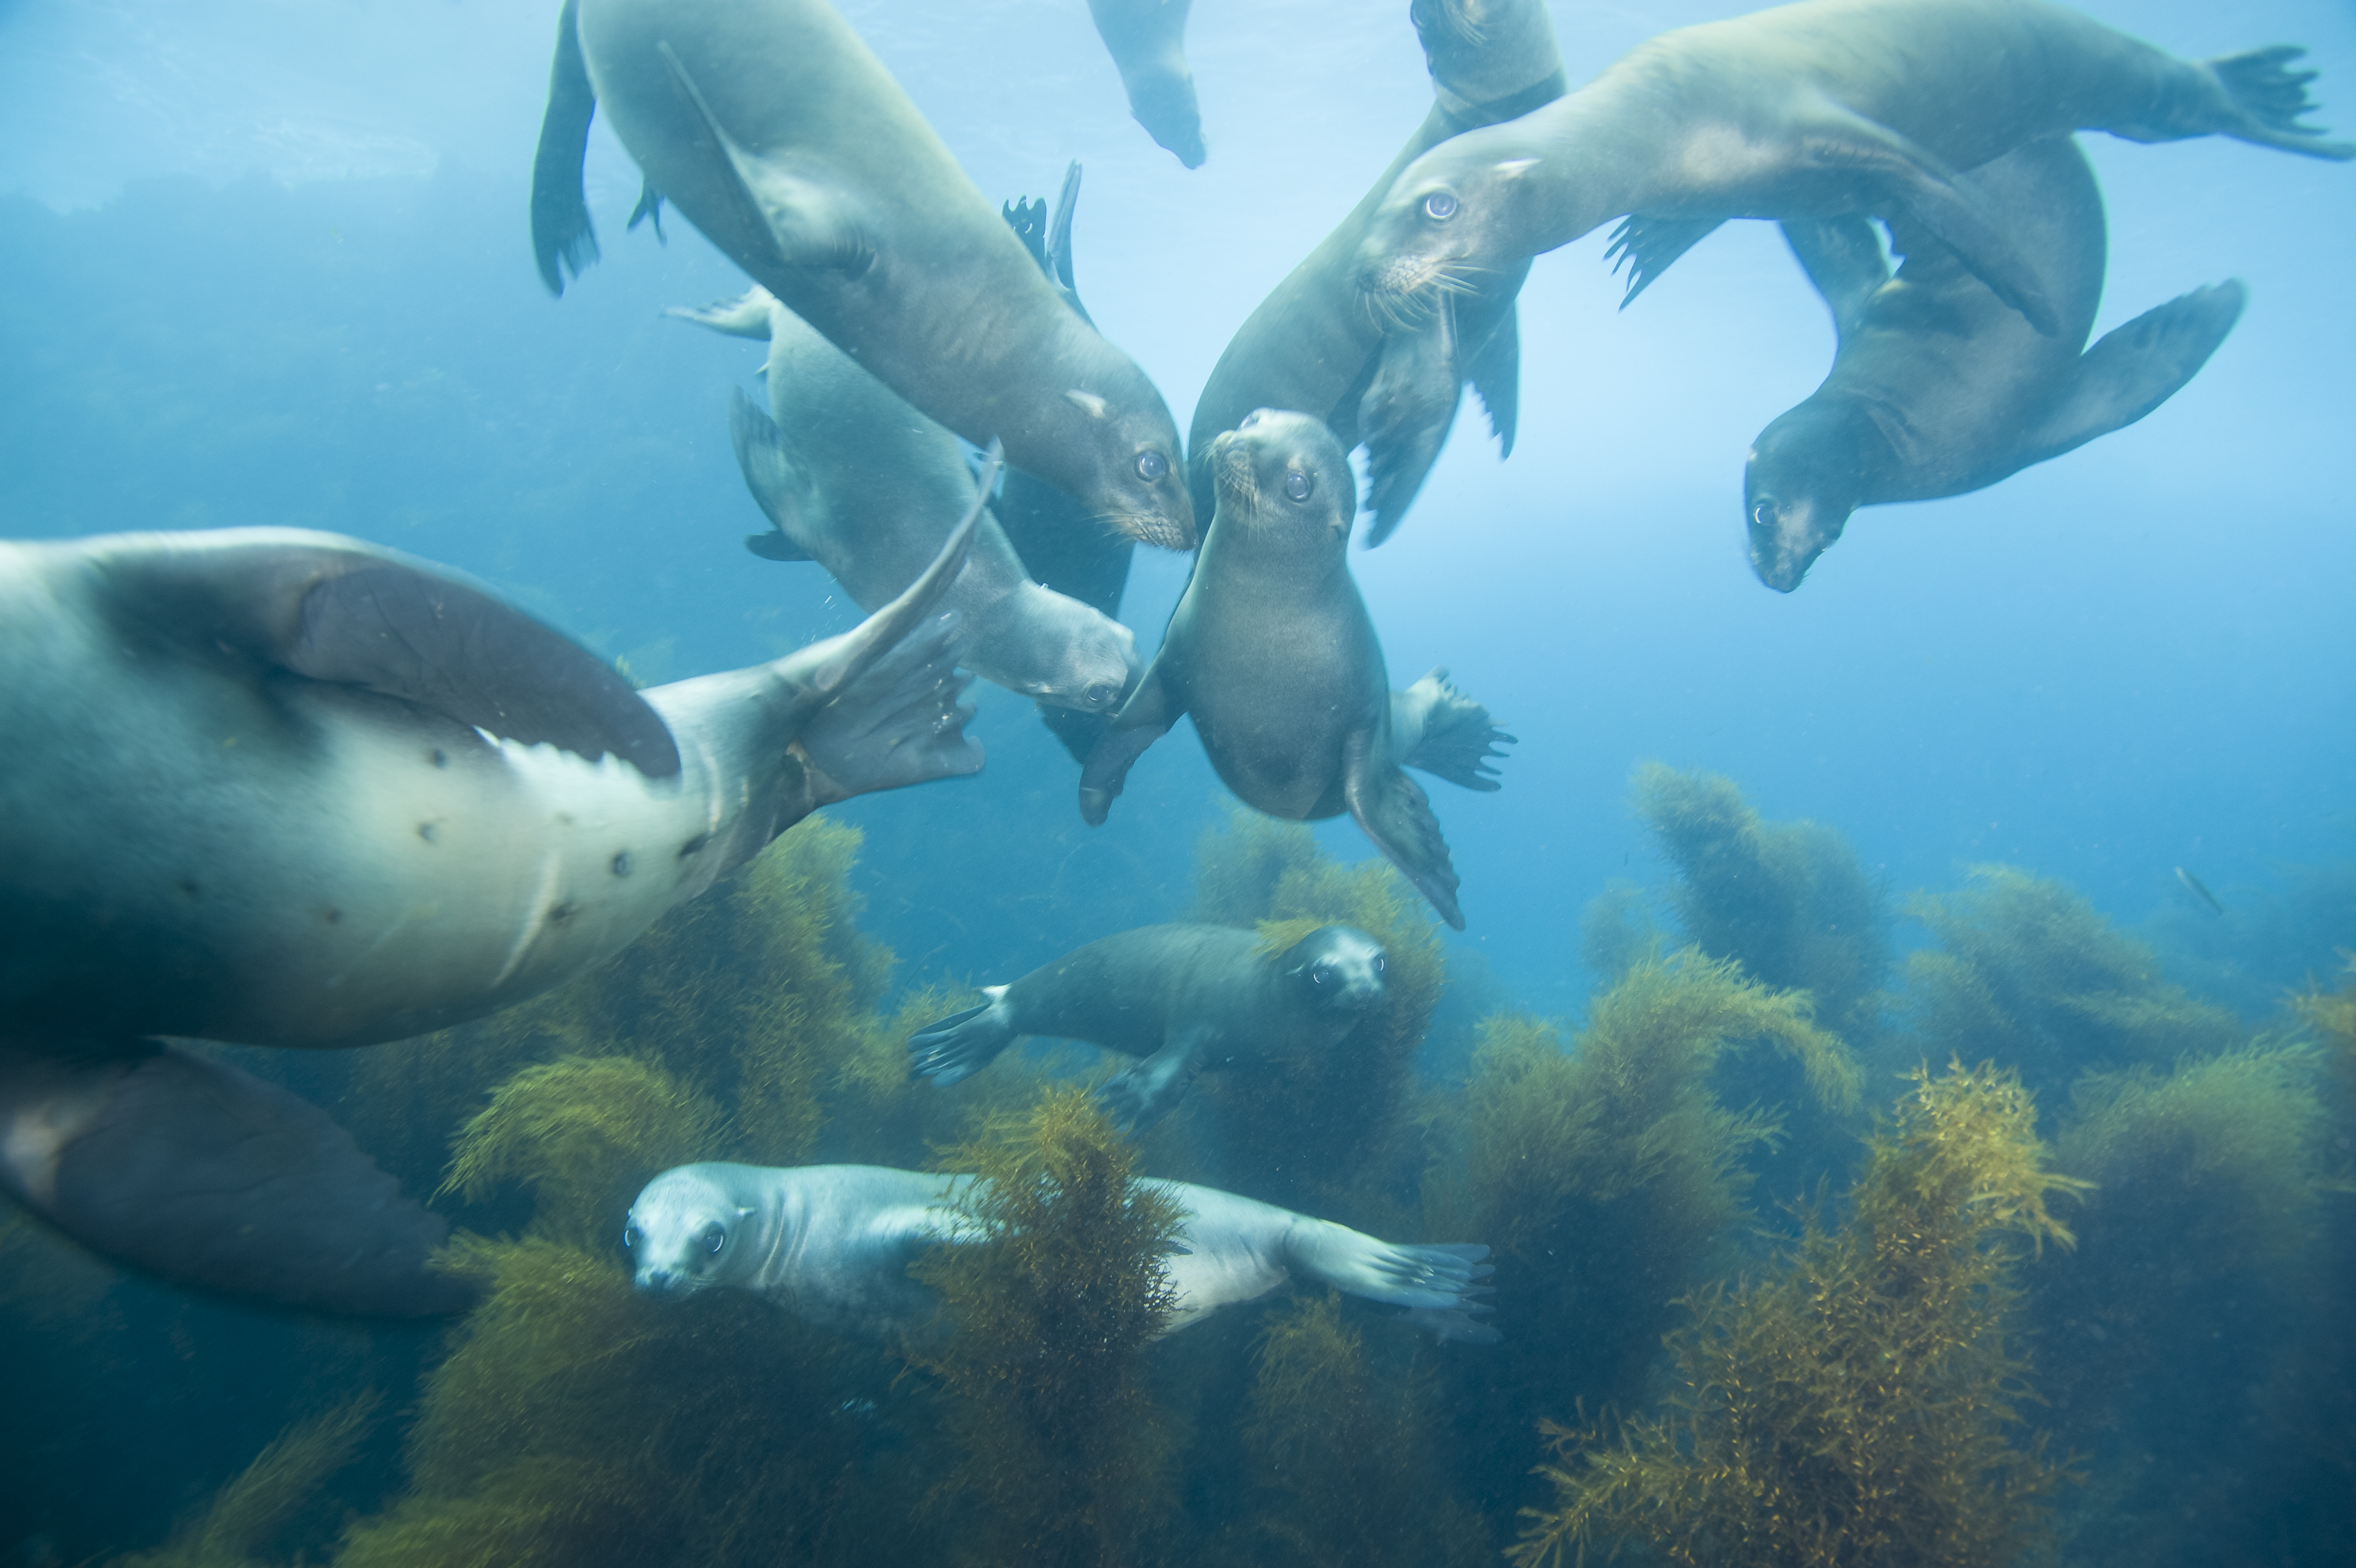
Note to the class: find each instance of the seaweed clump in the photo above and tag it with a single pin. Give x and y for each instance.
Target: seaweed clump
(1051, 1300)
(1858, 1404)
(247, 1517)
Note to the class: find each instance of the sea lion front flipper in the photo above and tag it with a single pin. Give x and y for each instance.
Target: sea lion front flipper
(1139, 1096)
(1393, 811)
(1438, 728)
(1646, 246)
(2137, 367)
(809, 224)
(1145, 716)
(208, 1176)
(1495, 372)
(1440, 1284)
(1842, 259)
(901, 723)
(1406, 414)
(649, 210)
(1954, 214)
(952, 1050)
(563, 239)
(784, 492)
(746, 315)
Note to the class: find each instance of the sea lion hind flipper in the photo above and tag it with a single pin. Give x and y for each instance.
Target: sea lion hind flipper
(2139, 366)
(1441, 1281)
(1405, 417)
(2269, 100)
(746, 315)
(1842, 259)
(1646, 246)
(808, 224)
(902, 722)
(1393, 811)
(563, 240)
(649, 210)
(1452, 735)
(1495, 372)
(1141, 1096)
(208, 1176)
(784, 492)
(1059, 233)
(1955, 215)
(952, 1050)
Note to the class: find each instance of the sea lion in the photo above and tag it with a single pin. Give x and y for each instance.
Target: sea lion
(830, 1244)
(1147, 39)
(1938, 388)
(774, 131)
(1394, 379)
(1270, 649)
(1816, 109)
(856, 480)
(284, 788)
(1187, 998)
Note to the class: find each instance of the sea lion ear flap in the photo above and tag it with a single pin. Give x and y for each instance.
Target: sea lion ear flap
(1089, 403)
(201, 1173)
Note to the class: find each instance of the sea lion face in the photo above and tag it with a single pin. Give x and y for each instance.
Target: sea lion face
(682, 1234)
(1441, 225)
(1800, 486)
(1283, 476)
(1340, 969)
(1141, 490)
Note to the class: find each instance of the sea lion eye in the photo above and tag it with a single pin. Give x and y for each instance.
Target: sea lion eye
(1762, 515)
(1378, 963)
(1152, 466)
(1439, 206)
(1098, 694)
(1321, 974)
(631, 1237)
(712, 1237)
(1298, 485)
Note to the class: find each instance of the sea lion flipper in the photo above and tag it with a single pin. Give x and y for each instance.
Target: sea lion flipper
(1406, 414)
(902, 722)
(1646, 246)
(1394, 812)
(205, 1175)
(1059, 233)
(952, 1050)
(784, 492)
(746, 315)
(563, 240)
(649, 210)
(1452, 736)
(1495, 372)
(2139, 366)
(1107, 769)
(2270, 100)
(1141, 1096)
(807, 223)
(1842, 259)
(1440, 1284)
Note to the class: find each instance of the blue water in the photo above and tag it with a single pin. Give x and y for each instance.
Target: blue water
(266, 264)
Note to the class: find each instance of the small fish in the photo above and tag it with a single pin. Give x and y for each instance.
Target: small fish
(2193, 885)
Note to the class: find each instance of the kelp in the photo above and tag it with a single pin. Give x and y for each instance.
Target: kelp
(1061, 1455)
(1617, 931)
(247, 1516)
(1790, 900)
(1341, 1451)
(2028, 973)
(1605, 1173)
(1857, 1406)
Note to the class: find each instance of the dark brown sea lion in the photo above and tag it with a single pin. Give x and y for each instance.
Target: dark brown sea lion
(780, 136)
(1271, 651)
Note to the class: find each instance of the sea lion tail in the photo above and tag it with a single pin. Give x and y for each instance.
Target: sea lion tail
(1448, 734)
(2269, 99)
(952, 1050)
(1440, 1284)
(194, 1171)
(563, 240)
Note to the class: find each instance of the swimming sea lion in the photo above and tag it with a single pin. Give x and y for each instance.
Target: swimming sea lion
(1271, 651)
(831, 1245)
(1147, 39)
(1816, 109)
(1393, 380)
(1938, 388)
(770, 125)
(1187, 998)
(286, 788)
(856, 480)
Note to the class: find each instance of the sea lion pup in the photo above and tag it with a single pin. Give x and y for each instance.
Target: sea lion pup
(1816, 109)
(856, 480)
(1393, 377)
(774, 131)
(1940, 388)
(831, 1245)
(1271, 651)
(1187, 998)
(1147, 39)
(286, 788)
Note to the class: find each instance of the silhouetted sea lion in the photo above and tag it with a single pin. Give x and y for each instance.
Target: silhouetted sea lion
(1147, 39)
(284, 788)
(1187, 998)
(1816, 109)
(856, 480)
(1393, 380)
(831, 1245)
(1271, 651)
(1940, 388)
(770, 125)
